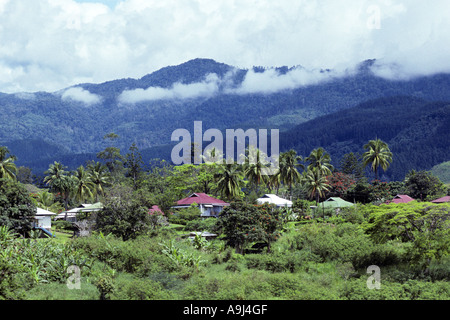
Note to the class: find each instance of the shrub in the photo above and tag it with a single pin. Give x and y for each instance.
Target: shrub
(128, 287)
(184, 215)
(345, 242)
(280, 262)
(10, 287)
(201, 224)
(440, 269)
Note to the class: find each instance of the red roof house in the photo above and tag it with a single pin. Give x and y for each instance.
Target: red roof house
(402, 198)
(442, 200)
(208, 205)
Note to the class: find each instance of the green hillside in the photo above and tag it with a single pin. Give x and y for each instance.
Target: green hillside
(415, 130)
(442, 171)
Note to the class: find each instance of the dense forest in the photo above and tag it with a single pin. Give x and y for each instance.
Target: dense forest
(417, 132)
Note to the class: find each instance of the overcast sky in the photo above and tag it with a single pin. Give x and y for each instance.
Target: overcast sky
(48, 45)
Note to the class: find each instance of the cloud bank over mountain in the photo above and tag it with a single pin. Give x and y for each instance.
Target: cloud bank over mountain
(80, 95)
(206, 88)
(49, 45)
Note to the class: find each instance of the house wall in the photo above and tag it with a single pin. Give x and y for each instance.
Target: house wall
(43, 222)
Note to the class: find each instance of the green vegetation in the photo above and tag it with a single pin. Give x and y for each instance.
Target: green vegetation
(260, 252)
(442, 171)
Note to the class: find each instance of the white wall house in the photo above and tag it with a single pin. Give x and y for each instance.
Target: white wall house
(43, 219)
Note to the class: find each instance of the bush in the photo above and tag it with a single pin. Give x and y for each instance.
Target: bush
(409, 290)
(201, 224)
(440, 269)
(128, 287)
(63, 225)
(185, 215)
(280, 262)
(10, 287)
(344, 242)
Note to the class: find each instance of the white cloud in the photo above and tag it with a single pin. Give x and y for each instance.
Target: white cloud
(53, 44)
(271, 80)
(206, 88)
(80, 95)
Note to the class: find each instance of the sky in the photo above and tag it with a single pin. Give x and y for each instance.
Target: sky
(50, 45)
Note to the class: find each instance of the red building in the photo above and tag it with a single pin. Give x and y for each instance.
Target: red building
(209, 206)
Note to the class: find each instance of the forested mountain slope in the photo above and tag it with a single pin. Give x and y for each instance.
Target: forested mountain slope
(69, 125)
(417, 132)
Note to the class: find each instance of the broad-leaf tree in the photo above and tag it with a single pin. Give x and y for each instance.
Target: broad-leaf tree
(16, 207)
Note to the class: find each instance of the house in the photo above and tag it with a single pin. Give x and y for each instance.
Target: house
(209, 206)
(401, 198)
(71, 215)
(334, 203)
(43, 219)
(442, 200)
(274, 199)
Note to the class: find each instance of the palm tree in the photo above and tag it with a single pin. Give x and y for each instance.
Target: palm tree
(377, 155)
(46, 201)
(100, 178)
(274, 181)
(288, 164)
(255, 169)
(83, 185)
(316, 183)
(7, 167)
(229, 180)
(59, 181)
(320, 159)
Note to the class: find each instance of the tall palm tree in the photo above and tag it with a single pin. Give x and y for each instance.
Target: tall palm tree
(274, 181)
(288, 164)
(316, 183)
(255, 167)
(100, 178)
(7, 167)
(59, 181)
(377, 155)
(83, 185)
(229, 180)
(320, 159)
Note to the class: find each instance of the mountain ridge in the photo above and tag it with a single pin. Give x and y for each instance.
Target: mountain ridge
(75, 122)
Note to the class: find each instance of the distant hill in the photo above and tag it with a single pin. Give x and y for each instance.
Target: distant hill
(417, 132)
(70, 124)
(442, 171)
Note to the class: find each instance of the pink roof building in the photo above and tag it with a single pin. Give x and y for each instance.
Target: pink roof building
(442, 200)
(208, 205)
(402, 198)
